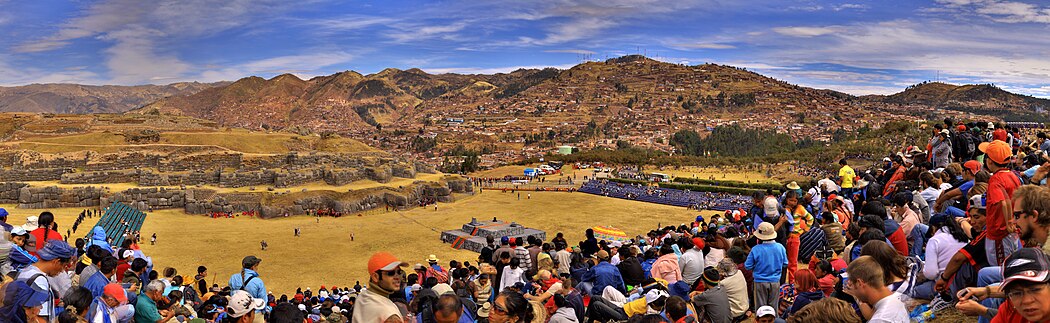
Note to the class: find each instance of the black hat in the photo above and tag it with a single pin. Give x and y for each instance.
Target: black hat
(250, 261)
(1027, 264)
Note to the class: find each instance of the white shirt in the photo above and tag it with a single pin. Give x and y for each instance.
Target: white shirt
(692, 265)
(814, 192)
(374, 308)
(829, 185)
(564, 258)
(713, 257)
(890, 309)
(930, 195)
(510, 277)
(939, 251)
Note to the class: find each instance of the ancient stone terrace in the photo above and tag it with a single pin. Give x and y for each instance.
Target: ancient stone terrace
(472, 235)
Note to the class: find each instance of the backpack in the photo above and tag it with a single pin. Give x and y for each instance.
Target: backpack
(442, 276)
(968, 145)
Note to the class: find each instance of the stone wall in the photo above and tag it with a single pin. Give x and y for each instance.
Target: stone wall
(148, 198)
(32, 175)
(113, 176)
(54, 197)
(9, 192)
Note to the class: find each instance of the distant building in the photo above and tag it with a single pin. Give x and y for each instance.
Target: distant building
(565, 150)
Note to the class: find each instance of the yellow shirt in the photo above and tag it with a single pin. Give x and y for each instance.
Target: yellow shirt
(636, 307)
(847, 174)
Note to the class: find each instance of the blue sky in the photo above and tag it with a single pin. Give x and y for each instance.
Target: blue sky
(855, 46)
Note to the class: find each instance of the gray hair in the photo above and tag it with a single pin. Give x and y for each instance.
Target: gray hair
(154, 286)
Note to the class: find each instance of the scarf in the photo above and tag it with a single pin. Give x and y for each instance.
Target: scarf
(375, 288)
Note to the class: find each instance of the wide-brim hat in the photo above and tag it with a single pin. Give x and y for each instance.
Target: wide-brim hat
(793, 186)
(32, 223)
(483, 310)
(861, 183)
(766, 231)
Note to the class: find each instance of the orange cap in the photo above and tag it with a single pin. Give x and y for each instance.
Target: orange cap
(973, 166)
(116, 291)
(384, 261)
(998, 151)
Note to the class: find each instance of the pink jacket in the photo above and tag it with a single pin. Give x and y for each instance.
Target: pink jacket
(666, 268)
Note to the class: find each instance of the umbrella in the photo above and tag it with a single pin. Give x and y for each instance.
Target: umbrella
(610, 234)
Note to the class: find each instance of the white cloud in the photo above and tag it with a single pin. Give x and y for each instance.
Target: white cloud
(305, 65)
(1002, 11)
(805, 32)
(572, 51)
(414, 32)
(848, 6)
(142, 32)
(349, 22)
(703, 46)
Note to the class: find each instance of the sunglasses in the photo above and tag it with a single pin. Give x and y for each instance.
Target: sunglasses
(393, 273)
(498, 309)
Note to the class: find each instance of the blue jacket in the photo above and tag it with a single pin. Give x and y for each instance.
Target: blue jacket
(20, 258)
(647, 267)
(255, 286)
(98, 238)
(604, 274)
(96, 283)
(767, 260)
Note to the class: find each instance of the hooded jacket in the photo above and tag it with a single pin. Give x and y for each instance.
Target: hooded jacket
(98, 238)
(666, 268)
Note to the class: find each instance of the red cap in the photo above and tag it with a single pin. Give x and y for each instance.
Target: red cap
(960, 128)
(384, 261)
(832, 197)
(116, 291)
(998, 151)
(973, 166)
(999, 134)
(699, 243)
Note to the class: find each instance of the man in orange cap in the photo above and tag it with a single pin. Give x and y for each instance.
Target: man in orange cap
(1001, 186)
(374, 305)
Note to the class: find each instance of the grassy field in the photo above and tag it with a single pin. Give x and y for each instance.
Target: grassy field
(315, 186)
(324, 253)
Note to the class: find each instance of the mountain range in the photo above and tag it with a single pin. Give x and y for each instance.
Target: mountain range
(85, 99)
(350, 100)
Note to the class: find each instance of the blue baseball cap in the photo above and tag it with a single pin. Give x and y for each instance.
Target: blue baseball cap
(504, 240)
(56, 249)
(3, 213)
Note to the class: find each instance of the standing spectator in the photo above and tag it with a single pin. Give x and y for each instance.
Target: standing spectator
(799, 221)
(97, 282)
(1001, 188)
(435, 270)
(866, 285)
(374, 304)
(767, 261)
(521, 253)
(248, 280)
(692, 262)
(846, 178)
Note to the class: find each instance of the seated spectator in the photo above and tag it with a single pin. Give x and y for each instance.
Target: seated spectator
(828, 310)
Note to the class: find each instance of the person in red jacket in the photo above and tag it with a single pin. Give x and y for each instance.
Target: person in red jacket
(45, 223)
